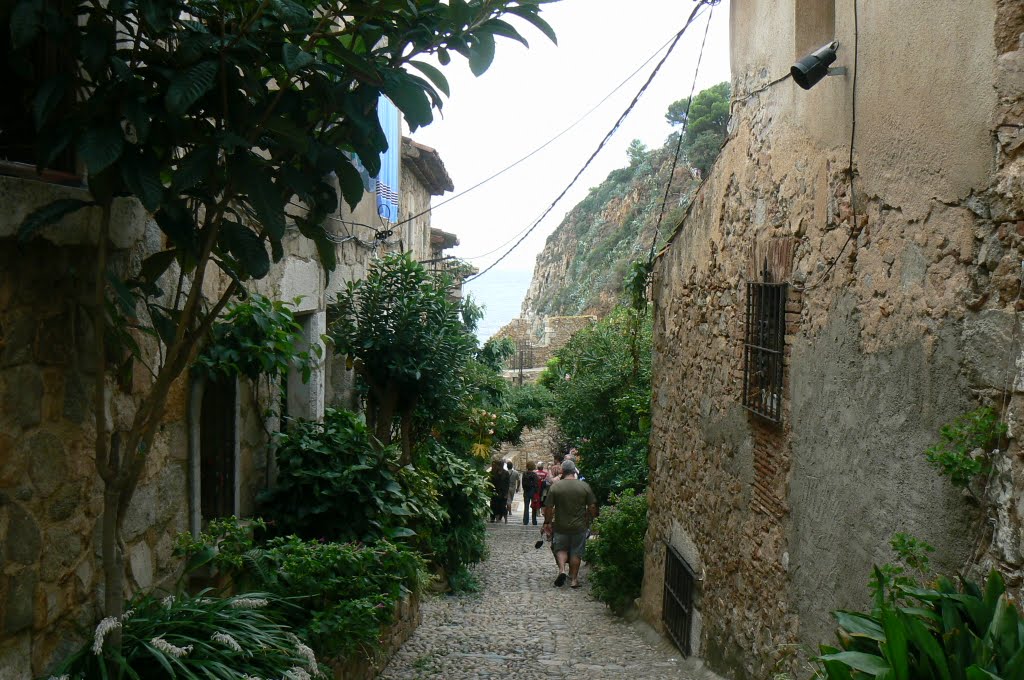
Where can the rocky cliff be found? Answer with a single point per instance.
(583, 264)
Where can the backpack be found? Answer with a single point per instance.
(530, 484)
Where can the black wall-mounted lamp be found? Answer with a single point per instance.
(812, 68)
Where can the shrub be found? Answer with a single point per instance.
(460, 538)
(616, 556)
(601, 383)
(334, 485)
(950, 632)
(340, 594)
(347, 591)
(197, 636)
(530, 404)
(911, 567)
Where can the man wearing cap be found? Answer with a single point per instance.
(568, 510)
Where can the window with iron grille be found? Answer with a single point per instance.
(763, 347)
(677, 604)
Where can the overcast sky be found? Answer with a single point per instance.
(530, 95)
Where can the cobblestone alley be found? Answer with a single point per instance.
(521, 626)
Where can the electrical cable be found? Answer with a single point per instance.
(538, 149)
(853, 134)
(603, 142)
(679, 142)
(748, 95)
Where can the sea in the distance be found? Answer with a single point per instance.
(501, 293)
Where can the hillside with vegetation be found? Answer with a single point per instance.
(585, 260)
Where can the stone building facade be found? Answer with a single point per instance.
(538, 338)
(901, 312)
(50, 492)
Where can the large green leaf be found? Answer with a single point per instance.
(926, 642)
(506, 30)
(247, 248)
(531, 15)
(263, 196)
(135, 111)
(48, 98)
(895, 645)
(154, 266)
(859, 625)
(141, 175)
(157, 13)
(481, 53)
(101, 146)
(1002, 632)
(325, 248)
(188, 86)
(48, 214)
(295, 58)
(434, 74)
(195, 167)
(408, 96)
(176, 221)
(350, 181)
(860, 661)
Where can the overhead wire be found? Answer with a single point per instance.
(604, 141)
(679, 142)
(540, 148)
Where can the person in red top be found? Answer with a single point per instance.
(533, 500)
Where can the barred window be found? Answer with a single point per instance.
(763, 347)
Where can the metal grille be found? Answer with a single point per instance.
(523, 358)
(763, 347)
(677, 606)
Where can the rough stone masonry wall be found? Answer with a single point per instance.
(917, 323)
(546, 334)
(537, 444)
(50, 493)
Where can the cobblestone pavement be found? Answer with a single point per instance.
(520, 626)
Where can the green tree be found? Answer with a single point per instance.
(215, 116)
(408, 343)
(705, 125)
(601, 382)
(637, 152)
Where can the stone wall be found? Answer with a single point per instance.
(407, 617)
(915, 323)
(544, 335)
(50, 492)
(537, 444)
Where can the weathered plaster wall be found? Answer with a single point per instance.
(860, 422)
(913, 325)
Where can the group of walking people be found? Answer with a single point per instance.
(567, 502)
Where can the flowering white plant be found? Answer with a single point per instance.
(102, 628)
(170, 649)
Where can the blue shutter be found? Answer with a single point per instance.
(387, 180)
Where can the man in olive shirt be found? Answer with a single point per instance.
(573, 505)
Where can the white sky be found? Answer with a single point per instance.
(530, 95)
